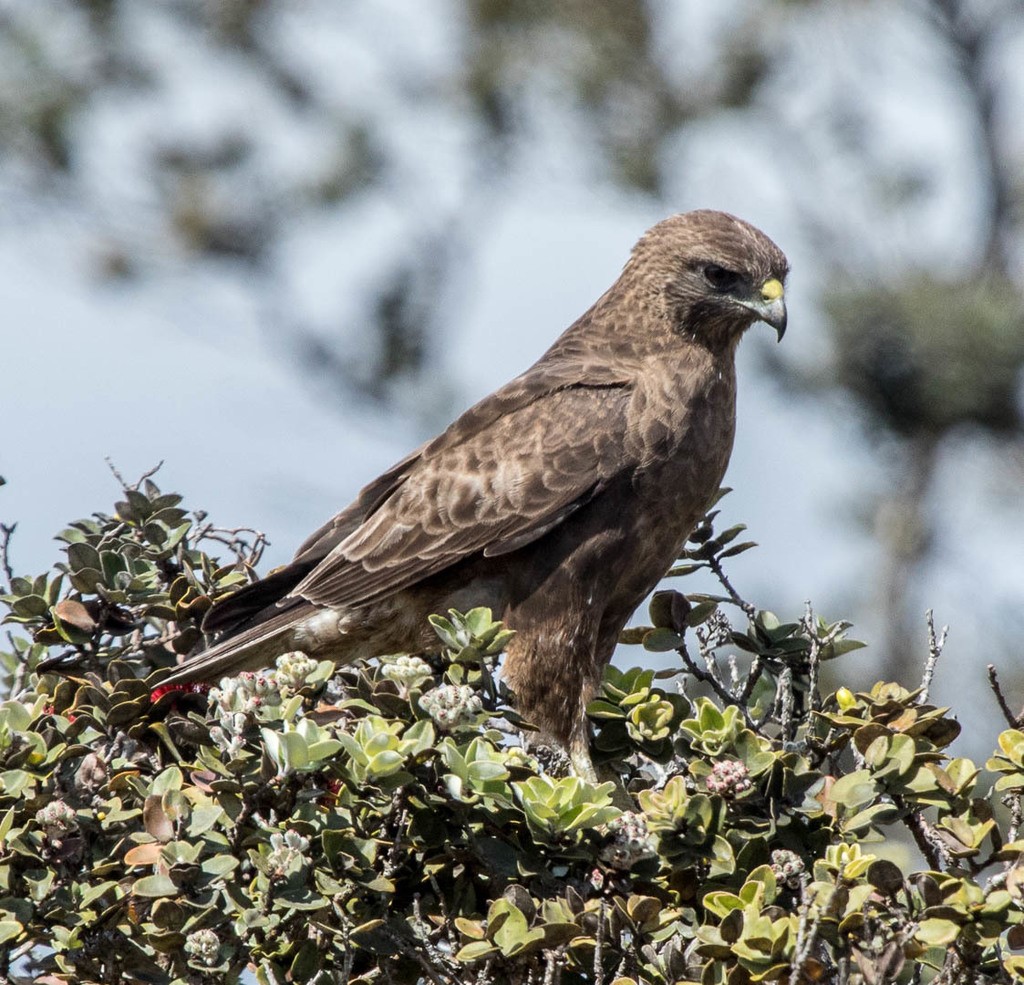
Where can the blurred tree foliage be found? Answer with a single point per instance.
(232, 179)
(935, 351)
(386, 823)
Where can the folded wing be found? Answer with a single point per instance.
(491, 492)
(507, 471)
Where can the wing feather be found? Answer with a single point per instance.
(505, 484)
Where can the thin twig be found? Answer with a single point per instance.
(1013, 802)
(716, 566)
(246, 543)
(438, 961)
(734, 672)
(715, 684)
(706, 642)
(844, 970)
(117, 475)
(817, 646)
(20, 672)
(553, 961)
(6, 530)
(125, 485)
(421, 958)
(813, 657)
(993, 681)
(786, 701)
(347, 949)
(928, 844)
(935, 645)
(449, 926)
(807, 932)
(753, 676)
(392, 862)
(915, 978)
(951, 968)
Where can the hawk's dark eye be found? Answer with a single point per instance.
(720, 278)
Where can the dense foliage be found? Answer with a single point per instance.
(388, 824)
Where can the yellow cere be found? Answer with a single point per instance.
(772, 289)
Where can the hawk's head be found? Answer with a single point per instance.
(713, 274)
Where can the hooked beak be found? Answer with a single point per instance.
(770, 305)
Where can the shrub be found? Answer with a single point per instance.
(385, 822)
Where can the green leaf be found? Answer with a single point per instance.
(513, 936)
(31, 607)
(158, 885)
(81, 555)
(935, 932)
(662, 640)
(475, 951)
(722, 903)
(170, 779)
(699, 614)
(875, 815)
(14, 782)
(738, 549)
(220, 865)
(93, 893)
(10, 930)
(854, 789)
(885, 876)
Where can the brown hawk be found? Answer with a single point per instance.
(558, 501)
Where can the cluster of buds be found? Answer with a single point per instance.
(729, 778)
(452, 706)
(203, 946)
(286, 848)
(518, 756)
(235, 703)
(229, 734)
(788, 867)
(293, 670)
(245, 693)
(649, 721)
(629, 841)
(405, 670)
(58, 820)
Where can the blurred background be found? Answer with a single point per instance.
(277, 244)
